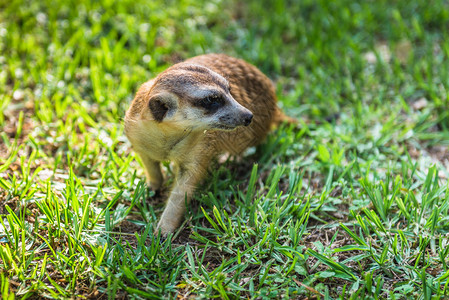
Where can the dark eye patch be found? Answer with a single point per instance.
(211, 102)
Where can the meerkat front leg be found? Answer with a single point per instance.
(153, 172)
(189, 175)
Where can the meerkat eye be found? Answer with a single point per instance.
(212, 102)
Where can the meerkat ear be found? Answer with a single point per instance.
(161, 106)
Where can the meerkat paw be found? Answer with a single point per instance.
(166, 226)
(155, 185)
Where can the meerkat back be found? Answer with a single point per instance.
(252, 89)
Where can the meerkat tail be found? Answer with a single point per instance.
(280, 118)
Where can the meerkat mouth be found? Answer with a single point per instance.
(225, 127)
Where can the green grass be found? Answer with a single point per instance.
(353, 203)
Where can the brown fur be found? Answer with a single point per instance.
(163, 122)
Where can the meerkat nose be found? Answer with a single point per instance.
(247, 118)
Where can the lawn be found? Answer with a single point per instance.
(353, 202)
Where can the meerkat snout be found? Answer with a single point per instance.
(247, 119)
(234, 120)
(232, 116)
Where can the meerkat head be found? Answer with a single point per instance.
(193, 96)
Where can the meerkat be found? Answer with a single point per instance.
(193, 111)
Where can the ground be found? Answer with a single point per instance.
(352, 202)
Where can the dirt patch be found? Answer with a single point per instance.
(439, 153)
(21, 103)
